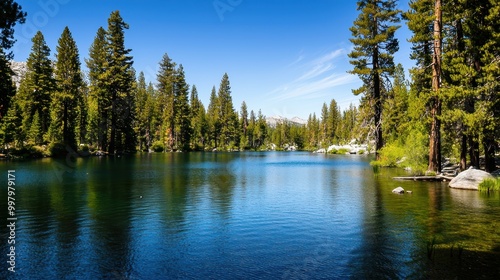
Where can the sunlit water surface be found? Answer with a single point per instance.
(242, 216)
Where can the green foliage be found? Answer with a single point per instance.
(158, 147)
(119, 78)
(488, 185)
(99, 102)
(12, 14)
(57, 149)
(69, 94)
(199, 122)
(340, 151)
(409, 152)
(372, 56)
(6, 85)
(36, 90)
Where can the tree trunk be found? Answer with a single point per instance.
(489, 151)
(474, 151)
(65, 124)
(112, 139)
(463, 153)
(435, 137)
(376, 97)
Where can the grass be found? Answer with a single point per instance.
(490, 185)
(339, 151)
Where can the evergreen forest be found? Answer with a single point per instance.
(449, 107)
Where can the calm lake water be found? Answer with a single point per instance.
(242, 216)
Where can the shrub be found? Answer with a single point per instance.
(340, 151)
(39, 151)
(490, 185)
(391, 155)
(57, 150)
(158, 147)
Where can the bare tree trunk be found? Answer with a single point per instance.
(435, 137)
(377, 98)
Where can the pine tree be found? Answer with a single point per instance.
(99, 98)
(396, 120)
(11, 15)
(182, 111)
(425, 20)
(435, 133)
(260, 130)
(166, 100)
(37, 88)
(11, 124)
(334, 117)
(227, 114)
(324, 126)
(374, 46)
(143, 122)
(35, 132)
(119, 80)
(7, 88)
(152, 134)
(213, 118)
(252, 122)
(198, 121)
(244, 125)
(69, 94)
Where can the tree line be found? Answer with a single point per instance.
(111, 110)
(448, 108)
(451, 104)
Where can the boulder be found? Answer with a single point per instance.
(469, 179)
(398, 190)
(321, 151)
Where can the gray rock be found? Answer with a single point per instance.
(398, 190)
(469, 179)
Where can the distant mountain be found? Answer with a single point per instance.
(273, 121)
(298, 120)
(19, 69)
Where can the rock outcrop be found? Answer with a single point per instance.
(19, 69)
(469, 179)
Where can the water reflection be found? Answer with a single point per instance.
(245, 215)
(109, 198)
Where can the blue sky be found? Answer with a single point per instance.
(284, 57)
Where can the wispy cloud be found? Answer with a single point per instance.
(318, 76)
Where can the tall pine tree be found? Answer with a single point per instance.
(213, 118)
(182, 111)
(374, 46)
(166, 101)
(99, 101)
(119, 80)
(66, 99)
(227, 115)
(11, 15)
(36, 90)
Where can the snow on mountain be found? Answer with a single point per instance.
(19, 69)
(274, 120)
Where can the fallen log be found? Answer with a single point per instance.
(424, 178)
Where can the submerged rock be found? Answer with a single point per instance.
(398, 190)
(469, 179)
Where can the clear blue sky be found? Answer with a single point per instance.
(284, 57)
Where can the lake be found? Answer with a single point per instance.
(255, 215)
